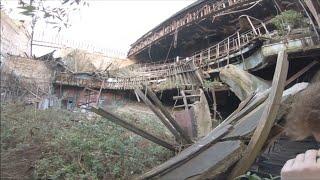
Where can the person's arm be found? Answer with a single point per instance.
(303, 167)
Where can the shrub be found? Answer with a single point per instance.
(287, 18)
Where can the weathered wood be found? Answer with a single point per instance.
(313, 11)
(188, 153)
(211, 162)
(138, 99)
(302, 71)
(182, 106)
(267, 119)
(185, 102)
(214, 99)
(230, 153)
(98, 98)
(117, 120)
(167, 114)
(242, 104)
(187, 96)
(201, 113)
(247, 124)
(158, 113)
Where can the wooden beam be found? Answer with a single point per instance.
(98, 98)
(185, 102)
(214, 99)
(158, 114)
(117, 120)
(302, 71)
(242, 104)
(311, 21)
(138, 99)
(187, 96)
(183, 106)
(267, 119)
(313, 11)
(189, 153)
(167, 114)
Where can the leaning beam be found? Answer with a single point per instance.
(167, 114)
(117, 120)
(301, 72)
(158, 114)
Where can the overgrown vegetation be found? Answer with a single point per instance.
(252, 176)
(287, 20)
(57, 144)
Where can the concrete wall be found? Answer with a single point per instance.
(15, 39)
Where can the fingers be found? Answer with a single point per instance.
(311, 156)
(287, 165)
(318, 157)
(298, 160)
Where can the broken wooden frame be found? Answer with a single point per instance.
(214, 159)
(164, 121)
(168, 121)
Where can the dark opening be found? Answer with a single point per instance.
(227, 102)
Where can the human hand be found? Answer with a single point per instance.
(304, 167)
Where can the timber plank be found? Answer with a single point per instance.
(268, 116)
(188, 153)
(159, 114)
(117, 120)
(167, 114)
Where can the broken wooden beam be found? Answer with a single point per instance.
(167, 114)
(187, 96)
(158, 114)
(117, 120)
(313, 11)
(267, 118)
(185, 102)
(188, 154)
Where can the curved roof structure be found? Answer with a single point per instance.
(203, 23)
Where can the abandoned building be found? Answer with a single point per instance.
(214, 74)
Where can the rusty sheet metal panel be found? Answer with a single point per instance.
(185, 120)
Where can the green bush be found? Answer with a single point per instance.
(287, 18)
(252, 176)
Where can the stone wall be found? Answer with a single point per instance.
(83, 61)
(30, 73)
(15, 39)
